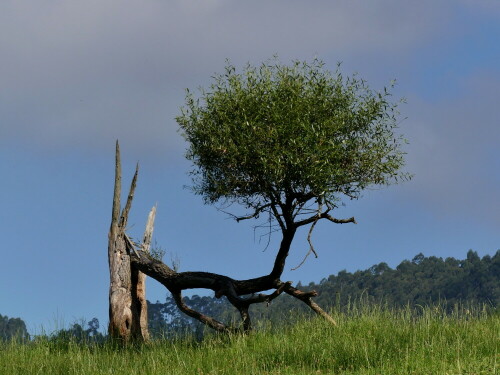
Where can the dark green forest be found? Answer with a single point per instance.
(423, 281)
(12, 328)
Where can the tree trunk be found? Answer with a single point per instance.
(127, 291)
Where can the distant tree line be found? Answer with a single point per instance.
(12, 328)
(78, 333)
(15, 328)
(421, 281)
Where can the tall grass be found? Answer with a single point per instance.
(367, 340)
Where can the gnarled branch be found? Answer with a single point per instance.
(222, 285)
(311, 247)
(130, 198)
(211, 322)
(256, 213)
(306, 298)
(324, 215)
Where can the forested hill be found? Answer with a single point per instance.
(422, 281)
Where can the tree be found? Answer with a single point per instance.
(290, 142)
(77, 333)
(13, 328)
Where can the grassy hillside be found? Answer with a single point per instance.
(368, 340)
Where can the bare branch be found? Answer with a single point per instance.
(117, 188)
(128, 205)
(306, 298)
(324, 215)
(329, 205)
(278, 217)
(130, 245)
(222, 285)
(242, 304)
(320, 202)
(257, 212)
(311, 247)
(269, 232)
(339, 221)
(209, 321)
(148, 232)
(236, 300)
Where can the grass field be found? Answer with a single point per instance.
(372, 340)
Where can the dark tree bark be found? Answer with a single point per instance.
(130, 262)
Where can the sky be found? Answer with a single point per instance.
(77, 76)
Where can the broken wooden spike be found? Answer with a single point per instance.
(148, 232)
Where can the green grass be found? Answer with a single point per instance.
(369, 340)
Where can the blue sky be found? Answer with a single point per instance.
(76, 76)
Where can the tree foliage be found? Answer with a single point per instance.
(275, 133)
(12, 328)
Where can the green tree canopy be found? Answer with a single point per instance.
(290, 141)
(276, 136)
